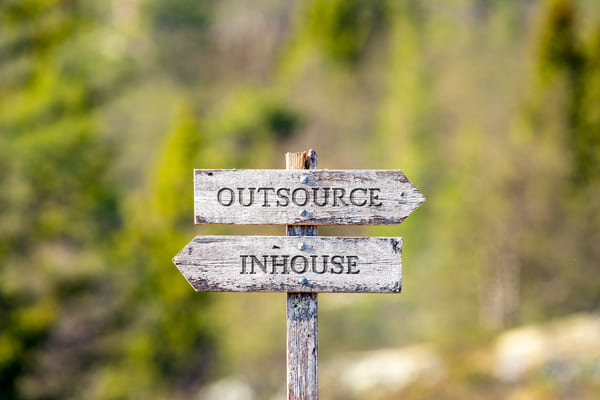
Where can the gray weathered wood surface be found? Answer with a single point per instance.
(302, 346)
(302, 308)
(215, 263)
(358, 197)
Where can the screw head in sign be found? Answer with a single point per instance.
(303, 213)
(304, 179)
(301, 246)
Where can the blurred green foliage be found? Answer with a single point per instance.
(58, 203)
(343, 28)
(492, 109)
(179, 29)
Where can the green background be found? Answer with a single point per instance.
(490, 107)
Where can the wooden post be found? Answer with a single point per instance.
(302, 349)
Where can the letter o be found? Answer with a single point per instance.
(220, 200)
(295, 200)
(293, 264)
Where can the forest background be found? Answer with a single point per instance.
(490, 107)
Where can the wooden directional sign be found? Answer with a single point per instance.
(303, 197)
(292, 264)
(300, 263)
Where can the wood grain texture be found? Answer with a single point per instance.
(302, 346)
(327, 197)
(302, 309)
(327, 264)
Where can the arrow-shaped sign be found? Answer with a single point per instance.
(303, 197)
(292, 264)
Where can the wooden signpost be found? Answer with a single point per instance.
(300, 263)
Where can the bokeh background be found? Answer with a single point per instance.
(491, 108)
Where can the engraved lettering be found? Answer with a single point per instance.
(352, 263)
(299, 264)
(325, 196)
(293, 264)
(266, 194)
(374, 196)
(282, 196)
(243, 264)
(261, 265)
(295, 197)
(220, 197)
(314, 264)
(337, 261)
(241, 199)
(338, 194)
(283, 264)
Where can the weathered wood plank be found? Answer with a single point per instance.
(302, 346)
(303, 197)
(292, 264)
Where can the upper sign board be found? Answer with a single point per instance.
(303, 197)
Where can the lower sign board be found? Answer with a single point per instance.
(292, 264)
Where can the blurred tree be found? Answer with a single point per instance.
(164, 339)
(180, 29)
(91, 307)
(249, 124)
(343, 29)
(502, 203)
(586, 143)
(58, 204)
(561, 223)
(170, 346)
